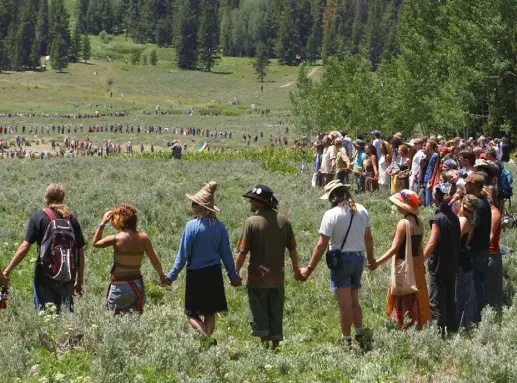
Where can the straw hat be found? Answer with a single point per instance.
(205, 197)
(331, 186)
(407, 200)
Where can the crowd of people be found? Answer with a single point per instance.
(420, 164)
(464, 271)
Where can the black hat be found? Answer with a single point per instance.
(264, 194)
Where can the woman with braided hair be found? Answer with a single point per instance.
(345, 228)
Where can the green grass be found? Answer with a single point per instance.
(160, 346)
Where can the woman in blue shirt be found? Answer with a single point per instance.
(203, 245)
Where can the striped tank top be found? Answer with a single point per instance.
(126, 265)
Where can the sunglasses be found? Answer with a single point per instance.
(194, 204)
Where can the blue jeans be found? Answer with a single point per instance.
(428, 196)
(349, 272)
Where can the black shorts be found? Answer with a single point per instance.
(204, 293)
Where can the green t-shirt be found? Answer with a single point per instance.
(266, 235)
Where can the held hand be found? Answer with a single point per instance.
(4, 279)
(164, 281)
(298, 276)
(373, 265)
(78, 288)
(237, 282)
(107, 217)
(305, 273)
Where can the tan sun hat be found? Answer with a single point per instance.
(331, 186)
(205, 197)
(407, 200)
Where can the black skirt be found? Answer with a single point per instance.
(204, 293)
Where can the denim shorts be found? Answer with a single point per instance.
(349, 273)
(123, 298)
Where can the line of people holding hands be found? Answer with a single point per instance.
(458, 254)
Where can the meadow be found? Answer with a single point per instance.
(160, 346)
(91, 345)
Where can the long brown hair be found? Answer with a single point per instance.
(54, 197)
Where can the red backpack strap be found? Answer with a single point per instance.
(50, 214)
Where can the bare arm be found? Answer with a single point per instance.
(18, 257)
(97, 240)
(317, 252)
(293, 253)
(400, 234)
(375, 167)
(368, 241)
(149, 250)
(239, 261)
(496, 222)
(433, 241)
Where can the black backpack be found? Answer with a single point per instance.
(58, 251)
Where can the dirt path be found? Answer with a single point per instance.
(314, 70)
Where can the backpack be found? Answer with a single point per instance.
(58, 251)
(505, 184)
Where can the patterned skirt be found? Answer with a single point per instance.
(411, 309)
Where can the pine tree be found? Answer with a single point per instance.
(135, 57)
(58, 24)
(107, 17)
(186, 33)
(25, 36)
(164, 32)
(59, 53)
(2, 54)
(208, 35)
(144, 29)
(313, 49)
(153, 57)
(7, 14)
(82, 11)
(42, 28)
(75, 44)
(261, 60)
(94, 16)
(86, 48)
(287, 44)
(131, 18)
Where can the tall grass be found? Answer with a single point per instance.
(91, 345)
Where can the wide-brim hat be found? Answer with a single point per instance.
(359, 143)
(205, 197)
(407, 200)
(264, 194)
(331, 186)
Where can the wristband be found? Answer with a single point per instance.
(101, 226)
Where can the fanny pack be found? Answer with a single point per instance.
(333, 257)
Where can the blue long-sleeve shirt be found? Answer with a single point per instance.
(204, 243)
(430, 168)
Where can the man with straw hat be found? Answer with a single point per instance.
(345, 228)
(266, 235)
(204, 244)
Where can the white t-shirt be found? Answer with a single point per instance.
(335, 224)
(377, 143)
(415, 166)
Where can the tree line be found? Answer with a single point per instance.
(201, 30)
(455, 74)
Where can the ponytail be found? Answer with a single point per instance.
(61, 209)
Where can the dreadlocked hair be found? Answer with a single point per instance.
(342, 197)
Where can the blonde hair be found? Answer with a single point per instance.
(488, 192)
(54, 197)
(124, 217)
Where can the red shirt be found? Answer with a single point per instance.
(494, 244)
